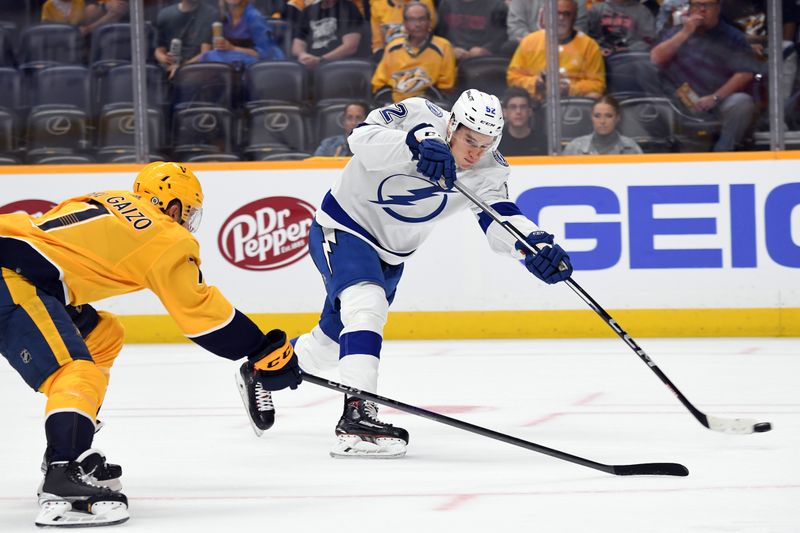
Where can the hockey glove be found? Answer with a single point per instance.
(545, 264)
(275, 366)
(435, 161)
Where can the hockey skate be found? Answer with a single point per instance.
(257, 400)
(361, 434)
(70, 498)
(95, 466)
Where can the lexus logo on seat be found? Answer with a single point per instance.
(127, 124)
(59, 125)
(276, 121)
(204, 123)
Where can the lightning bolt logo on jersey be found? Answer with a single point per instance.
(411, 199)
(381, 198)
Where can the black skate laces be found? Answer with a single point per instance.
(263, 398)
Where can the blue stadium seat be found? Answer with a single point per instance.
(115, 127)
(50, 43)
(270, 82)
(117, 87)
(112, 42)
(56, 127)
(7, 40)
(576, 117)
(203, 129)
(650, 121)
(276, 127)
(345, 79)
(203, 84)
(487, 74)
(64, 85)
(330, 120)
(632, 74)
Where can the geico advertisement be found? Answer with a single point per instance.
(641, 235)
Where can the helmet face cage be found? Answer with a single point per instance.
(162, 183)
(478, 111)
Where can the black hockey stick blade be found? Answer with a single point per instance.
(735, 426)
(646, 469)
(652, 469)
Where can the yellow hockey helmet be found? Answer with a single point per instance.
(161, 183)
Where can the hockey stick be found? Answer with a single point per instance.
(723, 425)
(653, 469)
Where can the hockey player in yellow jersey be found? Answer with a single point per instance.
(91, 247)
(417, 61)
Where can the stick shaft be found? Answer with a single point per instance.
(642, 469)
(516, 233)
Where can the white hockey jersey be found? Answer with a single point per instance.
(381, 198)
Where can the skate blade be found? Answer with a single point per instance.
(354, 447)
(243, 393)
(59, 513)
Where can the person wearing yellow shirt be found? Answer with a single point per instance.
(581, 64)
(386, 21)
(63, 11)
(92, 247)
(417, 62)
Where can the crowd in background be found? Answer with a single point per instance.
(683, 75)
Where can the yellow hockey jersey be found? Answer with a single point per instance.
(110, 243)
(411, 71)
(580, 61)
(386, 20)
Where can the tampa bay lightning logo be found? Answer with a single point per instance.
(499, 158)
(434, 108)
(410, 198)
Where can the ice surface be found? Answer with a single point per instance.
(191, 462)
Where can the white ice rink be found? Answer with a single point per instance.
(175, 422)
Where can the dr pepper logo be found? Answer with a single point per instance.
(31, 206)
(267, 234)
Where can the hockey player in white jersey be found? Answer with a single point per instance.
(391, 194)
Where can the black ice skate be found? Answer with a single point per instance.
(257, 400)
(94, 465)
(70, 497)
(361, 434)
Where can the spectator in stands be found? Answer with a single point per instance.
(519, 138)
(605, 139)
(417, 61)
(188, 21)
(711, 65)
(621, 26)
(387, 22)
(245, 36)
(101, 12)
(474, 28)
(582, 71)
(751, 17)
(64, 11)
(336, 145)
(671, 13)
(527, 16)
(328, 30)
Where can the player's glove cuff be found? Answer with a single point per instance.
(419, 133)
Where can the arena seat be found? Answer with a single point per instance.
(50, 43)
(276, 127)
(650, 121)
(270, 82)
(345, 79)
(202, 129)
(203, 84)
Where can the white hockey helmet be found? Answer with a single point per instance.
(479, 112)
